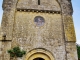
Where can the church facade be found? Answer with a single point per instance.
(43, 28)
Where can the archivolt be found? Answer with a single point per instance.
(42, 53)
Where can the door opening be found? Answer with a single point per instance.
(38, 59)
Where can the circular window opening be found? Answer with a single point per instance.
(38, 59)
(39, 20)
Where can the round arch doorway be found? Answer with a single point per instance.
(39, 54)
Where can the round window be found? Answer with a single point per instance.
(39, 20)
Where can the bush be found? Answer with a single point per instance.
(16, 52)
(78, 51)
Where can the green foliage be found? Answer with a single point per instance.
(16, 52)
(78, 51)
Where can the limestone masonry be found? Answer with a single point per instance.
(43, 28)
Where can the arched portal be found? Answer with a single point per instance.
(39, 54)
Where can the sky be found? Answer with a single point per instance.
(76, 17)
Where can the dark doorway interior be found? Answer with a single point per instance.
(38, 59)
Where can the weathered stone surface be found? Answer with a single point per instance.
(69, 29)
(7, 4)
(4, 47)
(0, 33)
(0, 50)
(44, 5)
(8, 20)
(27, 35)
(66, 7)
(71, 51)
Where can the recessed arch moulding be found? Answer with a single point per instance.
(39, 53)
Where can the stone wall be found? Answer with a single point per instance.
(44, 5)
(49, 36)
